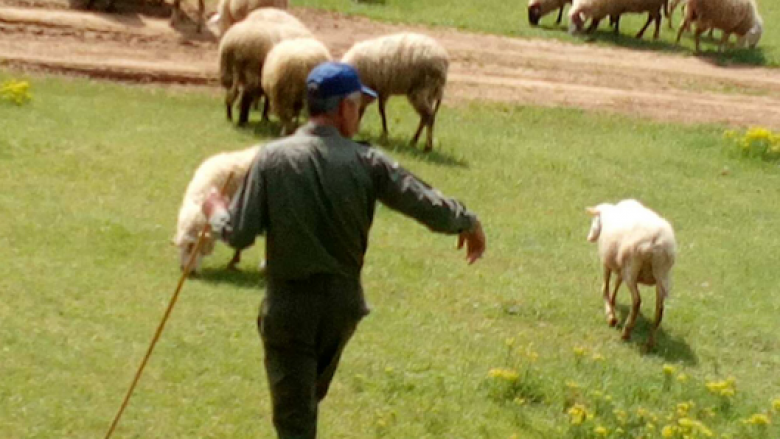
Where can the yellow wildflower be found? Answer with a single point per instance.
(15, 91)
(532, 356)
(669, 370)
(758, 419)
(620, 415)
(509, 341)
(579, 352)
(683, 378)
(669, 431)
(504, 374)
(572, 385)
(776, 405)
(601, 431)
(758, 133)
(519, 401)
(578, 414)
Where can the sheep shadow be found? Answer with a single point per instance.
(241, 278)
(629, 41)
(129, 12)
(667, 346)
(404, 147)
(372, 2)
(735, 57)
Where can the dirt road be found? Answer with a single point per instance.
(47, 35)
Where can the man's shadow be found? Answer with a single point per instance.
(667, 346)
(247, 277)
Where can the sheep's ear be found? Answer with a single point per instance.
(214, 18)
(592, 211)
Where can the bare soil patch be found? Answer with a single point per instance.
(139, 46)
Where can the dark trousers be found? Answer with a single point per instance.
(305, 325)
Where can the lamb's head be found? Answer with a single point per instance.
(187, 246)
(191, 222)
(595, 224)
(576, 20)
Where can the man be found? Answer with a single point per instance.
(313, 195)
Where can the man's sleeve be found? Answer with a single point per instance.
(401, 190)
(247, 209)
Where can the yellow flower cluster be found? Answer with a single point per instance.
(757, 419)
(579, 414)
(757, 141)
(776, 405)
(15, 91)
(579, 352)
(691, 427)
(669, 370)
(601, 431)
(504, 374)
(726, 388)
(684, 408)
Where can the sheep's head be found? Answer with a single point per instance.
(754, 34)
(187, 247)
(534, 12)
(595, 224)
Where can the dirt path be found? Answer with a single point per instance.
(47, 35)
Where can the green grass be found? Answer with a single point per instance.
(92, 176)
(511, 18)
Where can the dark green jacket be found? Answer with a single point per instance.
(313, 195)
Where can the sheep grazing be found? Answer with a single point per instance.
(596, 10)
(284, 77)
(211, 175)
(404, 64)
(242, 53)
(230, 12)
(739, 17)
(175, 12)
(639, 246)
(539, 8)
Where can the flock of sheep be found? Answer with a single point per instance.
(266, 52)
(739, 17)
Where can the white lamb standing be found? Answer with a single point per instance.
(230, 12)
(210, 176)
(639, 246)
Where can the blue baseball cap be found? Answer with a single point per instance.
(330, 82)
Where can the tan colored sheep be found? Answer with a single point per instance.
(230, 12)
(597, 10)
(639, 246)
(404, 64)
(211, 175)
(242, 53)
(739, 17)
(539, 8)
(175, 12)
(284, 77)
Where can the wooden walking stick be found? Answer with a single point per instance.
(164, 320)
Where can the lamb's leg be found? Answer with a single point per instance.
(244, 106)
(683, 25)
(560, 16)
(381, 104)
(431, 122)
(232, 265)
(230, 99)
(594, 24)
(609, 310)
(266, 109)
(658, 20)
(661, 291)
(630, 275)
(697, 38)
(421, 104)
(613, 299)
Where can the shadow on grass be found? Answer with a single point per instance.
(403, 147)
(672, 349)
(243, 278)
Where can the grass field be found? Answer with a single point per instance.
(511, 18)
(92, 176)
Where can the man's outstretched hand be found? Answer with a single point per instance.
(475, 243)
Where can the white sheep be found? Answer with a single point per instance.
(404, 64)
(242, 53)
(284, 77)
(539, 8)
(230, 12)
(211, 175)
(639, 246)
(596, 10)
(739, 17)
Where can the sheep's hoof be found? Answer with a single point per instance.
(626, 336)
(613, 321)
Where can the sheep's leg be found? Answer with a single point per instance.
(244, 106)
(723, 40)
(661, 291)
(560, 16)
(658, 20)
(230, 99)
(422, 105)
(697, 37)
(650, 18)
(683, 26)
(431, 122)
(381, 104)
(613, 298)
(594, 24)
(232, 265)
(201, 11)
(175, 12)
